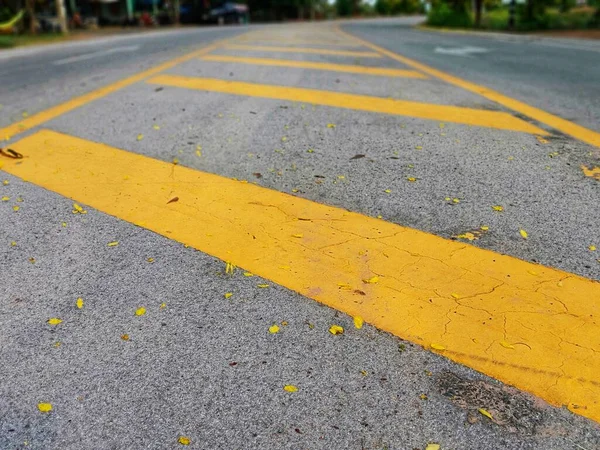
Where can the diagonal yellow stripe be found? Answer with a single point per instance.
(469, 116)
(531, 326)
(381, 71)
(318, 51)
(577, 131)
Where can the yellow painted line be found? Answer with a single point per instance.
(51, 113)
(533, 327)
(577, 131)
(593, 172)
(469, 116)
(318, 51)
(299, 41)
(381, 71)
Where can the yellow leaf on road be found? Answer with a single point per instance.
(262, 286)
(79, 303)
(54, 321)
(541, 140)
(498, 208)
(140, 311)
(140, 137)
(248, 274)
(228, 294)
(273, 329)
(45, 407)
(331, 125)
(412, 179)
(358, 322)
(299, 235)
(125, 337)
(432, 447)
(290, 388)
(113, 243)
(485, 413)
(592, 248)
(156, 127)
(507, 345)
(523, 234)
(438, 347)
(15, 208)
(5, 198)
(336, 329)
(387, 191)
(184, 440)
(371, 280)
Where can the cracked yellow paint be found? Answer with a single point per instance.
(550, 317)
(457, 114)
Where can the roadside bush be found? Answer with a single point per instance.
(441, 15)
(496, 19)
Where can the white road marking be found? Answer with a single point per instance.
(86, 56)
(461, 51)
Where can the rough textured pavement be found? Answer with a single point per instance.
(205, 367)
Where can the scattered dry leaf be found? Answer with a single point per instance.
(140, 311)
(273, 329)
(113, 243)
(358, 322)
(485, 413)
(290, 388)
(336, 329)
(125, 337)
(523, 233)
(498, 208)
(184, 440)
(54, 321)
(140, 137)
(228, 294)
(262, 286)
(438, 347)
(45, 407)
(79, 303)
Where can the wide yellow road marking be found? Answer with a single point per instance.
(44, 116)
(531, 326)
(382, 71)
(318, 51)
(299, 42)
(469, 116)
(577, 131)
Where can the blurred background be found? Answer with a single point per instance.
(26, 21)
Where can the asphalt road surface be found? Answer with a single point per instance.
(354, 235)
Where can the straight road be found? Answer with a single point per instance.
(300, 236)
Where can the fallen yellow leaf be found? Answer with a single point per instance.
(523, 234)
(331, 125)
(262, 286)
(387, 191)
(15, 208)
(163, 305)
(5, 198)
(228, 294)
(455, 295)
(229, 267)
(358, 322)
(498, 208)
(432, 447)
(184, 440)
(298, 235)
(438, 347)
(150, 260)
(156, 127)
(140, 311)
(54, 321)
(140, 137)
(113, 244)
(592, 248)
(506, 345)
(45, 407)
(412, 179)
(371, 280)
(485, 413)
(274, 329)
(336, 329)
(541, 140)
(248, 274)
(125, 337)
(79, 303)
(423, 397)
(290, 388)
